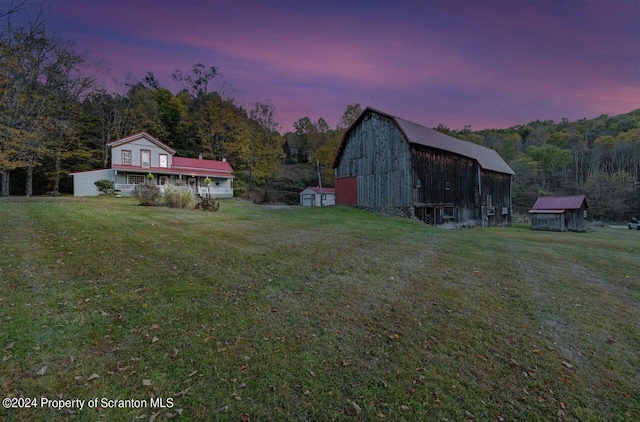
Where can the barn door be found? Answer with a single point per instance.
(346, 191)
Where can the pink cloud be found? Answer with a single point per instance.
(486, 59)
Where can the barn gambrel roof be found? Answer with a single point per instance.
(417, 134)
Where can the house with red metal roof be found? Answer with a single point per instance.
(141, 158)
(560, 213)
(315, 196)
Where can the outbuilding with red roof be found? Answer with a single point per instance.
(315, 196)
(560, 213)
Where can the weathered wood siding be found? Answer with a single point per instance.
(548, 221)
(575, 219)
(496, 198)
(445, 187)
(377, 154)
(570, 220)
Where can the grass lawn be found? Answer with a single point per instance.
(301, 314)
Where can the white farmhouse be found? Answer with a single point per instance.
(135, 157)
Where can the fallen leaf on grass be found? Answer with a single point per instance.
(567, 364)
(42, 370)
(469, 415)
(146, 383)
(610, 340)
(356, 407)
(6, 358)
(244, 417)
(182, 393)
(93, 377)
(170, 415)
(514, 363)
(154, 339)
(10, 345)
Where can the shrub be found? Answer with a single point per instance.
(177, 198)
(208, 204)
(148, 195)
(104, 185)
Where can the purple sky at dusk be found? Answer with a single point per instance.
(488, 64)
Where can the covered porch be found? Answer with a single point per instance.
(219, 187)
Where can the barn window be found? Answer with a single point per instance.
(489, 200)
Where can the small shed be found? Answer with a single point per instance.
(317, 197)
(560, 213)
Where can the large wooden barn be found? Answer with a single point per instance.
(387, 162)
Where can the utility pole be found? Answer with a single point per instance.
(319, 179)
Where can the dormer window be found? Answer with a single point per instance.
(126, 157)
(145, 158)
(164, 161)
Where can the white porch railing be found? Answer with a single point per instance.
(202, 190)
(217, 191)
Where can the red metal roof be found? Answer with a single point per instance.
(197, 163)
(559, 203)
(187, 171)
(324, 190)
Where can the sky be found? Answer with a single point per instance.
(487, 64)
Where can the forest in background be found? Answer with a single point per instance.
(55, 118)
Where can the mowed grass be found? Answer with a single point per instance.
(258, 313)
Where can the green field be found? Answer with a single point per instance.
(300, 314)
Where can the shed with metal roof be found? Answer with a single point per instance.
(560, 213)
(385, 161)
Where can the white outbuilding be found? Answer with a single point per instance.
(317, 197)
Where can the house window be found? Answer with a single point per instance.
(164, 161)
(126, 157)
(145, 158)
(136, 179)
